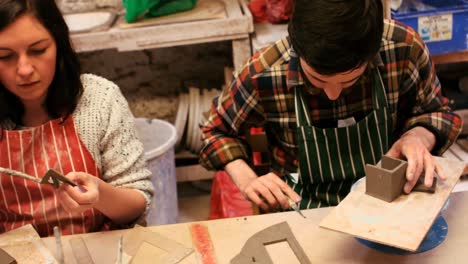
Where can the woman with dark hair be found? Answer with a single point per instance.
(54, 117)
(343, 89)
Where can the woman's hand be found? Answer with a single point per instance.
(415, 145)
(81, 197)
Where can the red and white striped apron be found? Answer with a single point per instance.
(33, 151)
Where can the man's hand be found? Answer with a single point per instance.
(81, 197)
(269, 192)
(415, 145)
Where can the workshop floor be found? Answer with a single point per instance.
(194, 201)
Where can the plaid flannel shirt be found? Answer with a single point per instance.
(262, 95)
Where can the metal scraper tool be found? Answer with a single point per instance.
(293, 205)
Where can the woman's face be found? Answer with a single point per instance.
(28, 55)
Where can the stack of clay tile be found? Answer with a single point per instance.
(191, 107)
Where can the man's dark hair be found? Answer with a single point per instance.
(66, 87)
(335, 36)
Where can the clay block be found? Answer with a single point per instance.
(386, 181)
(420, 187)
(5, 258)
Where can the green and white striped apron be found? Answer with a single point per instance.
(332, 159)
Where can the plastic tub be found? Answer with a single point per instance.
(444, 28)
(158, 139)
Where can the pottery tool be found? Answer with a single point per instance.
(203, 244)
(402, 223)
(58, 244)
(51, 177)
(119, 251)
(293, 205)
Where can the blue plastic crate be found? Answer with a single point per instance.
(443, 27)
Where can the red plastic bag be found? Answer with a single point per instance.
(279, 11)
(226, 199)
(273, 11)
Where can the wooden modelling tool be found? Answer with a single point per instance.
(402, 223)
(51, 177)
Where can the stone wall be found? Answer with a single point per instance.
(152, 79)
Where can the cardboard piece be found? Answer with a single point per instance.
(385, 180)
(143, 244)
(254, 250)
(403, 223)
(204, 10)
(25, 245)
(420, 187)
(5, 258)
(80, 251)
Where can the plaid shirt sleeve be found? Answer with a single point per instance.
(422, 91)
(232, 113)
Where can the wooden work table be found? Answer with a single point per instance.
(320, 245)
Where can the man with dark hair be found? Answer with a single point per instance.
(343, 89)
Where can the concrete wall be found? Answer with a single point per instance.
(152, 79)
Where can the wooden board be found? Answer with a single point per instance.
(321, 246)
(204, 10)
(25, 245)
(402, 223)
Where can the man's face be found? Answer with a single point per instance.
(332, 85)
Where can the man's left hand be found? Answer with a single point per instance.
(415, 145)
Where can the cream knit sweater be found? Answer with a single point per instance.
(106, 127)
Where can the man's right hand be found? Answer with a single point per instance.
(268, 192)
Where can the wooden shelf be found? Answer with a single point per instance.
(236, 27)
(193, 173)
(453, 57)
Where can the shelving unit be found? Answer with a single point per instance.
(235, 27)
(453, 57)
